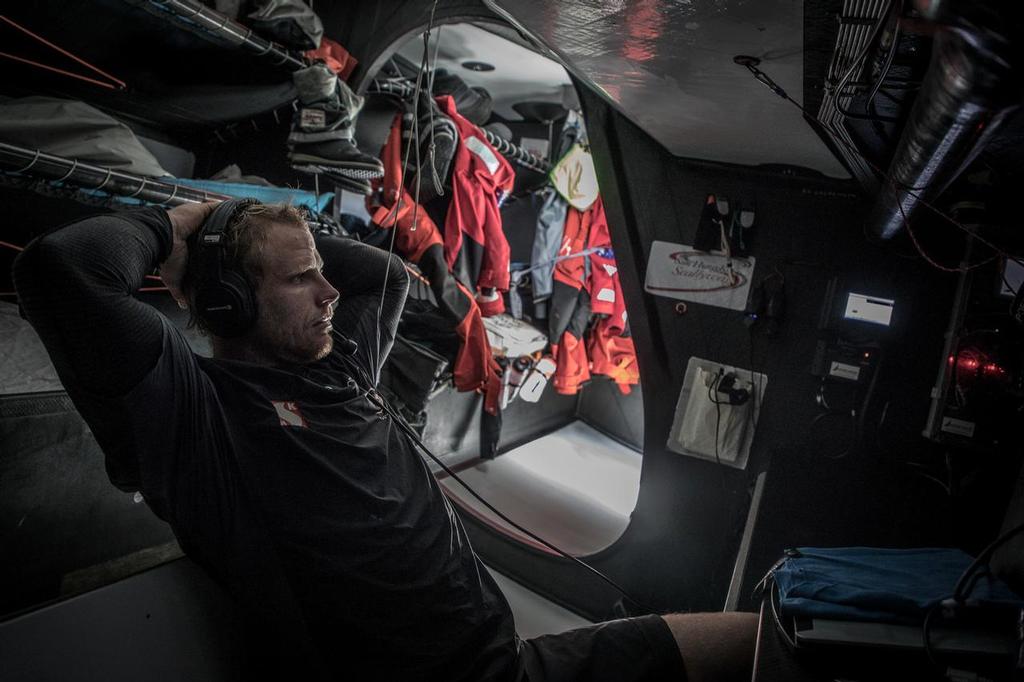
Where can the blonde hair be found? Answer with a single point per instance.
(246, 237)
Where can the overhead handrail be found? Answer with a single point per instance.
(91, 180)
(224, 27)
(404, 89)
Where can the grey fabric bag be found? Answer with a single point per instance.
(289, 22)
(75, 130)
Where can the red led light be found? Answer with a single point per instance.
(992, 369)
(967, 362)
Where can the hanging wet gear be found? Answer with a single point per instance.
(436, 140)
(490, 301)
(612, 354)
(335, 56)
(585, 285)
(481, 178)
(418, 239)
(551, 217)
(711, 226)
(473, 103)
(570, 315)
(740, 230)
(323, 128)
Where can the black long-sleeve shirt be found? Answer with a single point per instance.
(286, 483)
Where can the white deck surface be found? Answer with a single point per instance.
(575, 488)
(534, 614)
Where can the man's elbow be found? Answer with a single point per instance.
(28, 271)
(47, 270)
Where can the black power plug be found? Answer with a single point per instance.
(727, 385)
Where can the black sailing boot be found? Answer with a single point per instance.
(437, 143)
(323, 128)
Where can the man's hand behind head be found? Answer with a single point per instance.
(186, 219)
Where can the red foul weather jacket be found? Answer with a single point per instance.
(475, 367)
(480, 178)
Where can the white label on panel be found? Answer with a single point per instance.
(844, 371)
(713, 278)
(958, 427)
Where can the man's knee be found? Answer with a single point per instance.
(715, 646)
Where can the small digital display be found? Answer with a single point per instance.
(869, 309)
(1012, 279)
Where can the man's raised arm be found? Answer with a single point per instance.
(358, 272)
(76, 288)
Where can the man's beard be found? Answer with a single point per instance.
(283, 348)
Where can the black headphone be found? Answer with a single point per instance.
(225, 299)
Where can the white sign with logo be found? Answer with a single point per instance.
(709, 277)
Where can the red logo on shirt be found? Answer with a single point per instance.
(289, 414)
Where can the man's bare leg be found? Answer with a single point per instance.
(716, 647)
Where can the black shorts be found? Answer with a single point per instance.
(628, 650)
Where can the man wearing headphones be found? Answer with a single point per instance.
(278, 466)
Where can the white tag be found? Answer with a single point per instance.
(958, 427)
(484, 152)
(844, 371)
(313, 118)
(288, 413)
(607, 295)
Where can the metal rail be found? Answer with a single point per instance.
(192, 13)
(91, 179)
(404, 89)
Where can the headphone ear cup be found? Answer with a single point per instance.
(225, 299)
(228, 305)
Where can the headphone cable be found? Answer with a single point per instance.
(377, 399)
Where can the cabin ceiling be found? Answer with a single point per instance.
(665, 64)
(668, 66)
(519, 75)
